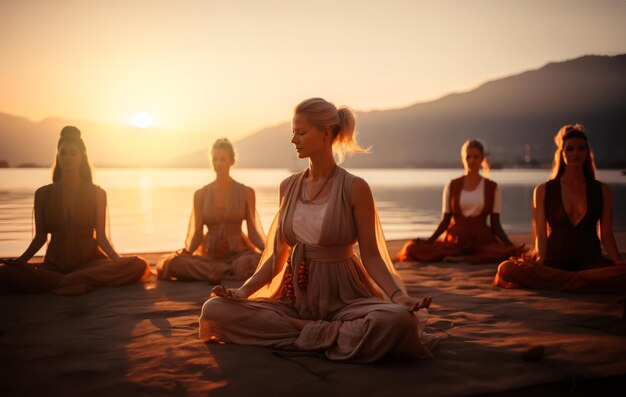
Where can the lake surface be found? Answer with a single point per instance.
(149, 208)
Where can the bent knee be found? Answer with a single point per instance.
(394, 317)
(507, 271)
(212, 309)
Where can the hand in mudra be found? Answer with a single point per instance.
(413, 304)
(228, 293)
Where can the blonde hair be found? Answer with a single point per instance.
(558, 165)
(223, 144)
(342, 121)
(476, 144)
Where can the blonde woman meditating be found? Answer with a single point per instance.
(223, 249)
(470, 222)
(310, 291)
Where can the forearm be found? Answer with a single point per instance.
(265, 273)
(108, 248)
(33, 247)
(443, 225)
(377, 269)
(610, 245)
(256, 239)
(541, 245)
(195, 242)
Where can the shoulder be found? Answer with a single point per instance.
(249, 192)
(44, 189)
(489, 182)
(289, 181)
(540, 189)
(453, 183)
(359, 190)
(43, 193)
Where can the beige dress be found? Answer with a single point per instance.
(351, 318)
(225, 250)
(74, 262)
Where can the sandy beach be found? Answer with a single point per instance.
(142, 340)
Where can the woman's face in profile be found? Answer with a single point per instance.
(69, 156)
(222, 161)
(575, 151)
(472, 159)
(307, 138)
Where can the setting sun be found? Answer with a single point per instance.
(142, 120)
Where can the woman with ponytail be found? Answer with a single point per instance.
(467, 203)
(567, 253)
(311, 291)
(79, 257)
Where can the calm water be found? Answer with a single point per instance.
(149, 208)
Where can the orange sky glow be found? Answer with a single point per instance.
(232, 67)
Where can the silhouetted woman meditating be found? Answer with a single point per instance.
(467, 203)
(566, 212)
(224, 249)
(79, 257)
(310, 291)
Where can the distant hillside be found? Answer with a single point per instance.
(25, 142)
(514, 116)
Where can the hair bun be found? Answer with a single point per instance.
(70, 132)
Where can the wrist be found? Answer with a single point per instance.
(395, 294)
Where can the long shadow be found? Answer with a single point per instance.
(57, 345)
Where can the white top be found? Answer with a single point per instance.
(307, 221)
(472, 201)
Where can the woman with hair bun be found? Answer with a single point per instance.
(79, 257)
(310, 291)
(467, 203)
(224, 249)
(566, 211)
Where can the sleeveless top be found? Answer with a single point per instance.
(472, 202)
(573, 247)
(224, 236)
(73, 238)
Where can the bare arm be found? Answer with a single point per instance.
(606, 226)
(540, 232)
(496, 228)
(364, 217)
(265, 273)
(253, 232)
(443, 226)
(101, 237)
(198, 231)
(446, 216)
(40, 236)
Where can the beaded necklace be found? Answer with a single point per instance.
(308, 201)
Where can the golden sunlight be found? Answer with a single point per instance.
(142, 120)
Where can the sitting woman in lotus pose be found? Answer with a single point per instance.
(310, 291)
(72, 209)
(467, 203)
(224, 249)
(566, 212)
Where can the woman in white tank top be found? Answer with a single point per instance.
(466, 235)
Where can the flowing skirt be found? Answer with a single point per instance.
(94, 274)
(347, 320)
(206, 268)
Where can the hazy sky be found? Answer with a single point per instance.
(231, 67)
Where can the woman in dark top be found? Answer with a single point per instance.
(566, 212)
